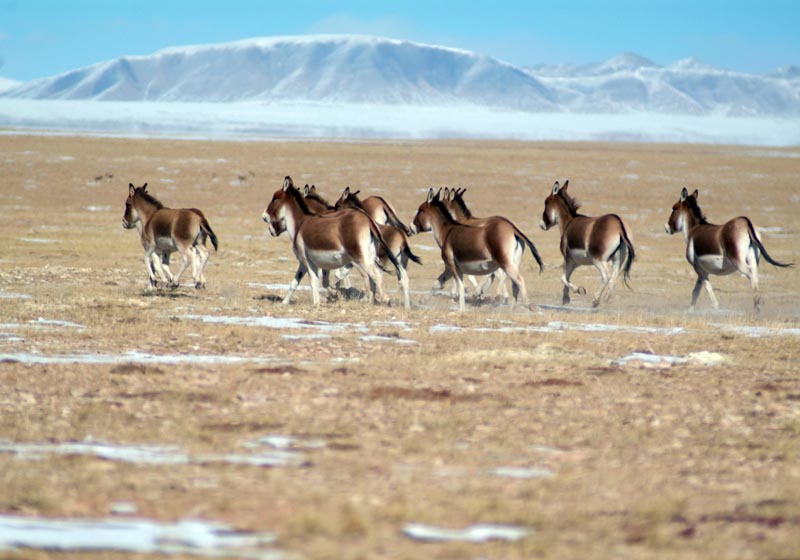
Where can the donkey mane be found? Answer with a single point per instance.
(149, 198)
(316, 196)
(694, 208)
(459, 200)
(442, 207)
(572, 204)
(294, 193)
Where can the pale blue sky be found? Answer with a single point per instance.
(44, 37)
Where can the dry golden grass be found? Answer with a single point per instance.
(683, 461)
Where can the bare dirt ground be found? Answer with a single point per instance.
(403, 416)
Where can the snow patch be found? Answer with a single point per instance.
(478, 533)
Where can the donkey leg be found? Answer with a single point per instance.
(569, 268)
(187, 259)
(616, 268)
(605, 278)
(402, 278)
(710, 290)
(301, 271)
(314, 277)
(459, 280)
(749, 268)
(518, 288)
(201, 254)
(440, 281)
(698, 285)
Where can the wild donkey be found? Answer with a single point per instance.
(585, 240)
(713, 249)
(328, 241)
(166, 230)
(475, 249)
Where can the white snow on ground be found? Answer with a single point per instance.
(253, 120)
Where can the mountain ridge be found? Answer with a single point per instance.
(367, 69)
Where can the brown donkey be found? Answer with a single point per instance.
(454, 201)
(473, 249)
(720, 250)
(377, 208)
(327, 242)
(598, 241)
(166, 230)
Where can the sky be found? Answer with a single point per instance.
(40, 38)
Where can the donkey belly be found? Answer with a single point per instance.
(166, 244)
(580, 256)
(328, 260)
(715, 264)
(478, 268)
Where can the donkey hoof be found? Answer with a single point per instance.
(199, 285)
(565, 300)
(581, 291)
(596, 302)
(757, 303)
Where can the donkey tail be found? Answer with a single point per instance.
(757, 242)
(521, 236)
(393, 219)
(206, 228)
(410, 255)
(376, 233)
(626, 272)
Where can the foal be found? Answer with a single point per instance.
(166, 230)
(712, 249)
(328, 241)
(475, 250)
(588, 240)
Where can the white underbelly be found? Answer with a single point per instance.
(580, 256)
(166, 244)
(478, 268)
(715, 264)
(328, 260)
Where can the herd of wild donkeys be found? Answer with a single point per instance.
(368, 235)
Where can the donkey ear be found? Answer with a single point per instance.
(144, 187)
(430, 195)
(684, 194)
(313, 189)
(305, 190)
(565, 185)
(131, 189)
(461, 193)
(438, 194)
(346, 192)
(355, 193)
(556, 188)
(447, 194)
(695, 193)
(287, 182)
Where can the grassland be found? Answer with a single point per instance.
(700, 459)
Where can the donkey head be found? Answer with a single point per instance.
(685, 208)
(275, 214)
(348, 199)
(422, 221)
(551, 205)
(131, 215)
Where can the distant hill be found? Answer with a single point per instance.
(362, 69)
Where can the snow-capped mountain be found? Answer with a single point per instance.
(362, 69)
(6, 83)
(353, 69)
